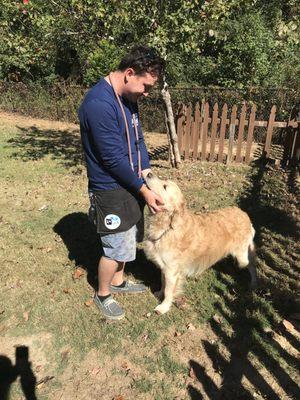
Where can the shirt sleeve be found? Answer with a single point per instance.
(108, 143)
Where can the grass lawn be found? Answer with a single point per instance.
(220, 341)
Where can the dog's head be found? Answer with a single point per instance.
(170, 193)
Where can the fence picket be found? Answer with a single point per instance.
(250, 134)
(196, 131)
(213, 132)
(204, 132)
(240, 138)
(269, 132)
(196, 140)
(187, 132)
(222, 132)
(231, 133)
(180, 121)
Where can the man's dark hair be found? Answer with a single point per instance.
(143, 59)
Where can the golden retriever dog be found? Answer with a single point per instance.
(182, 244)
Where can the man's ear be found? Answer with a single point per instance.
(129, 72)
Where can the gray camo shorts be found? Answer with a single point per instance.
(120, 246)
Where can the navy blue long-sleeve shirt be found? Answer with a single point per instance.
(103, 135)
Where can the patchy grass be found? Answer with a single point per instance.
(221, 342)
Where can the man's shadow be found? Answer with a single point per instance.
(80, 238)
(22, 368)
(84, 246)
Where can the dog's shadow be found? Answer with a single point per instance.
(83, 243)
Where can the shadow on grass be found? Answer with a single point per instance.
(35, 144)
(243, 315)
(83, 244)
(22, 369)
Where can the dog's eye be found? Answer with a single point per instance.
(165, 187)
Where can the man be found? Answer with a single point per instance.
(117, 158)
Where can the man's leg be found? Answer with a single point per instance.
(118, 278)
(107, 270)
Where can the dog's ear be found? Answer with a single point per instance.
(177, 217)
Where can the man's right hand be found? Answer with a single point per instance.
(153, 200)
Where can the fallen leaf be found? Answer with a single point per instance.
(192, 373)
(181, 302)
(43, 208)
(26, 316)
(288, 325)
(38, 368)
(176, 333)
(217, 318)
(48, 249)
(95, 371)
(44, 380)
(206, 206)
(67, 290)
(88, 303)
(125, 366)
(78, 273)
(267, 329)
(148, 315)
(119, 397)
(191, 327)
(64, 354)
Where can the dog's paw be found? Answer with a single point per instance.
(162, 308)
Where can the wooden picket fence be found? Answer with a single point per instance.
(230, 138)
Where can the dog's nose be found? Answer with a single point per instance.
(149, 175)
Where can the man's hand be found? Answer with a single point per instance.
(153, 200)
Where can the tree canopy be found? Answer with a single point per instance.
(218, 42)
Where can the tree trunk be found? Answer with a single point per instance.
(171, 129)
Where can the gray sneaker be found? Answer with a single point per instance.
(130, 287)
(109, 307)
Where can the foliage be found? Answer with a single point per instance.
(229, 43)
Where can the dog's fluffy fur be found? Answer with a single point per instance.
(181, 243)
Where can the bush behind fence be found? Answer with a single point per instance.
(61, 101)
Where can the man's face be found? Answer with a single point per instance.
(138, 85)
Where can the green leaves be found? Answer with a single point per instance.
(216, 42)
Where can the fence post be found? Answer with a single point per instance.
(180, 121)
(196, 131)
(187, 132)
(269, 133)
(250, 134)
(231, 133)
(240, 138)
(213, 132)
(204, 133)
(222, 132)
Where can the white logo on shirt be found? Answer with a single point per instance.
(112, 221)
